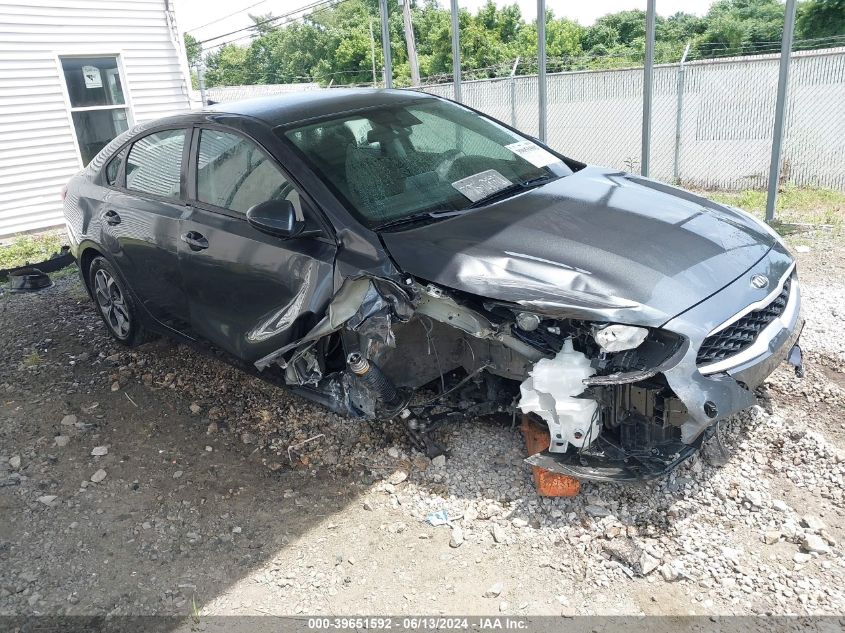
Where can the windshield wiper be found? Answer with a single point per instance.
(512, 190)
(508, 191)
(408, 219)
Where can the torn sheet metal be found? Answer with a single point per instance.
(367, 305)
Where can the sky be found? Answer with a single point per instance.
(193, 14)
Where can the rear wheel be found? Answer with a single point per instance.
(115, 303)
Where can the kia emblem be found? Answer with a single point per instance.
(759, 281)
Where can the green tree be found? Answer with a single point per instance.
(820, 18)
(193, 50)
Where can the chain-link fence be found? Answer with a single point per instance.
(713, 133)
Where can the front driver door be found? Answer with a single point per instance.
(249, 293)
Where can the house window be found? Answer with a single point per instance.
(97, 102)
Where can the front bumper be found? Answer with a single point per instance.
(721, 389)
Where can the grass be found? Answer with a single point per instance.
(32, 359)
(802, 206)
(29, 249)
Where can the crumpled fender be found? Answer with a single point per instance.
(365, 304)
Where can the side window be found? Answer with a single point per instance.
(113, 168)
(233, 173)
(154, 163)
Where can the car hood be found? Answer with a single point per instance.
(596, 244)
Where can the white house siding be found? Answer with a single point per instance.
(38, 150)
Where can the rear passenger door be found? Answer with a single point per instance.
(140, 222)
(249, 292)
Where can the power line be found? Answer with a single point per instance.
(313, 5)
(202, 26)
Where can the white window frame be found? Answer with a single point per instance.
(69, 109)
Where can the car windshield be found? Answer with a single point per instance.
(428, 156)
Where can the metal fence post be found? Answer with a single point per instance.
(542, 94)
(456, 51)
(513, 93)
(385, 44)
(676, 172)
(780, 109)
(201, 82)
(648, 80)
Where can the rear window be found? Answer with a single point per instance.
(154, 164)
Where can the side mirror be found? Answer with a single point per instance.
(275, 217)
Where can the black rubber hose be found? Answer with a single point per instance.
(371, 374)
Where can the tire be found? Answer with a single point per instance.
(115, 304)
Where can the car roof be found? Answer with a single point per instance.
(300, 106)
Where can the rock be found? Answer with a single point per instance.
(178, 474)
(69, 420)
(770, 537)
(212, 428)
(195, 408)
(801, 558)
(669, 572)
(780, 506)
(61, 440)
(100, 451)
(210, 449)
(393, 452)
(457, 537)
(648, 564)
(498, 533)
(754, 498)
(731, 553)
(368, 506)
(439, 461)
(815, 543)
(98, 476)
(397, 477)
(247, 438)
(15, 462)
(597, 511)
(115, 386)
(812, 522)
(47, 500)
(495, 591)
(626, 551)
(236, 530)
(519, 522)
(503, 606)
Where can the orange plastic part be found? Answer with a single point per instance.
(548, 484)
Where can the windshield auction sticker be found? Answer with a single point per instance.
(533, 153)
(482, 184)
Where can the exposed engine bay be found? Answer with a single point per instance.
(424, 355)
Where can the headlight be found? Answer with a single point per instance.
(617, 338)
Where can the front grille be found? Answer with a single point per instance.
(740, 334)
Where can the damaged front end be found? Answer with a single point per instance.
(621, 402)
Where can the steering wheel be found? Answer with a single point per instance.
(446, 164)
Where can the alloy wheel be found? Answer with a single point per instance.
(112, 303)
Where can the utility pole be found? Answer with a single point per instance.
(201, 82)
(385, 43)
(373, 52)
(410, 42)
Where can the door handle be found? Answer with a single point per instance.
(111, 217)
(195, 241)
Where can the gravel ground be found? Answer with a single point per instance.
(161, 481)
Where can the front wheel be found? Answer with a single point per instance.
(115, 303)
